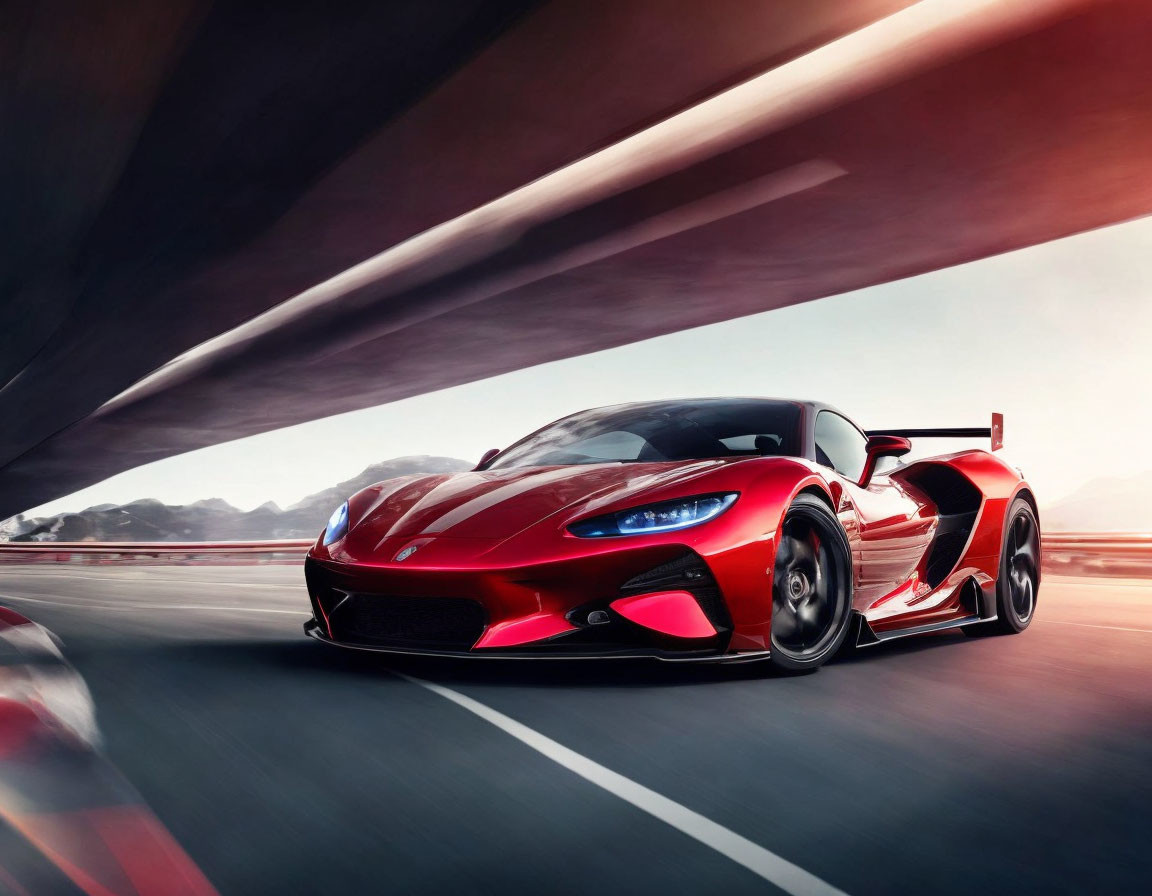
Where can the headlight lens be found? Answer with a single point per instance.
(663, 517)
(337, 524)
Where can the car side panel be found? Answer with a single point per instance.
(890, 528)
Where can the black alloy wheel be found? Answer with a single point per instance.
(1023, 564)
(1019, 582)
(811, 587)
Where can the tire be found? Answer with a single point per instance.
(811, 587)
(1018, 584)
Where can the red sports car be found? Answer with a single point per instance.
(711, 529)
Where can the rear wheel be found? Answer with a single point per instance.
(1019, 579)
(811, 587)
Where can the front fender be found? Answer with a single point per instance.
(743, 552)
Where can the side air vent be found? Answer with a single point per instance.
(950, 490)
(947, 546)
(957, 504)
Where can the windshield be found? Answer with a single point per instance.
(662, 431)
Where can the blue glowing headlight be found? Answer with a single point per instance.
(663, 517)
(337, 524)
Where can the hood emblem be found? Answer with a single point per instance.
(406, 553)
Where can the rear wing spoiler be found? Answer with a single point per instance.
(995, 432)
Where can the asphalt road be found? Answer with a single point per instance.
(940, 764)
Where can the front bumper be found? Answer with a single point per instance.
(596, 607)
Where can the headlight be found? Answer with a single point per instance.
(337, 524)
(663, 517)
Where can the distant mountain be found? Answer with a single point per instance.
(1111, 504)
(214, 519)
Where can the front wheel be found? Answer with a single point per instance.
(811, 587)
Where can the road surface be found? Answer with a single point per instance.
(939, 764)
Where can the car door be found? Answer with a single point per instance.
(888, 527)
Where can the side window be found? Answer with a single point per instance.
(840, 445)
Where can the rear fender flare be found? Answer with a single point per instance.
(1023, 490)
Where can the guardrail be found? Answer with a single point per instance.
(1098, 553)
(1122, 542)
(93, 552)
(1068, 553)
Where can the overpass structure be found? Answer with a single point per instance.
(222, 221)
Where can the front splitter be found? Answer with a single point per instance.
(313, 629)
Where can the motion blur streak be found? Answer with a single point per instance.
(755, 858)
(65, 813)
(926, 34)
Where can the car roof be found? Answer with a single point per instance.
(812, 407)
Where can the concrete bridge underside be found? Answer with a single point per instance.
(222, 221)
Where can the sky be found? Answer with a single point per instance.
(1058, 337)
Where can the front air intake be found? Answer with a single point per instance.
(430, 623)
(686, 573)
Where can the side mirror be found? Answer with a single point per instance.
(484, 461)
(882, 446)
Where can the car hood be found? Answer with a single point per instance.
(498, 504)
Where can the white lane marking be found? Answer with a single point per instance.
(774, 869)
(1115, 628)
(127, 608)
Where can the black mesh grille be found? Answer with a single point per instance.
(445, 623)
(687, 573)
